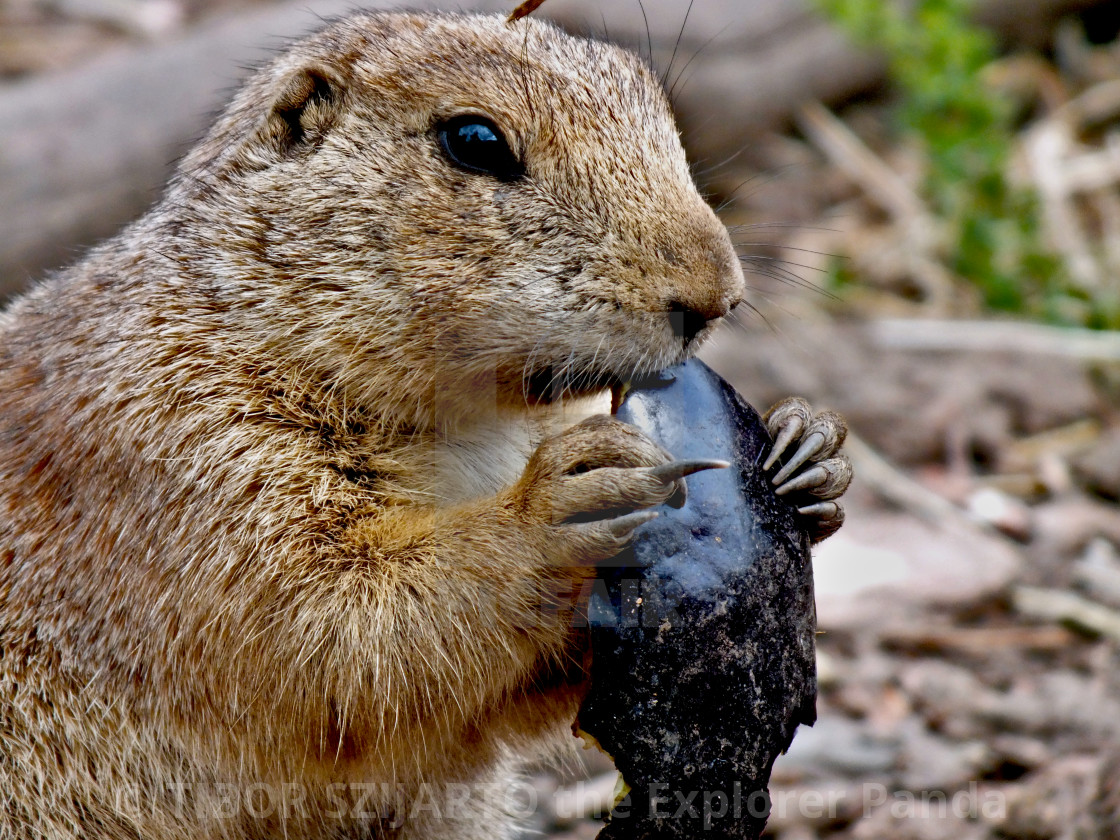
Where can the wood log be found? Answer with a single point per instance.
(84, 151)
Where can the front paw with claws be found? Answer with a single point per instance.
(593, 484)
(814, 475)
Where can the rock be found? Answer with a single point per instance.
(1099, 468)
(837, 745)
(990, 506)
(702, 639)
(884, 567)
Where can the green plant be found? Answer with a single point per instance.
(993, 234)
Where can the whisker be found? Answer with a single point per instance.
(677, 45)
(737, 316)
(780, 225)
(766, 177)
(707, 170)
(789, 278)
(673, 87)
(773, 301)
(649, 37)
(762, 258)
(775, 271)
(791, 248)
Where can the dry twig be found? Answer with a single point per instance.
(995, 337)
(1061, 606)
(920, 229)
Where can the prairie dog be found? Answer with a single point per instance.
(293, 520)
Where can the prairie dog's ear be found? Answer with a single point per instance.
(303, 111)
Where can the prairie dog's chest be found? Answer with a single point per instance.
(480, 462)
(486, 458)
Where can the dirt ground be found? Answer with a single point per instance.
(969, 610)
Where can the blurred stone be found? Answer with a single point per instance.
(931, 762)
(838, 745)
(885, 566)
(1020, 750)
(798, 832)
(1099, 468)
(1065, 526)
(1003, 512)
(147, 18)
(798, 808)
(1098, 571)
(1050, 704)
(1055, 802)
(829, 670)
(921, 815)
(1056, 474)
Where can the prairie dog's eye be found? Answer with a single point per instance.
(472, 142)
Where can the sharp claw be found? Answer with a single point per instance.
(674, 473)
(786, 421)
(809, 447)
(623, 526)
(787, 435)
(675, 470)
(810, 478)
(823, 510)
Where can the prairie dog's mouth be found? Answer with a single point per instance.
(584, 374)
(549, 385)
(654, 379)
(618, 394)
(554, 381)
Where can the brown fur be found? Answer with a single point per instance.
(268, 514)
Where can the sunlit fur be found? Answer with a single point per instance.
(261, 455)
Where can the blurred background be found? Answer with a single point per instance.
(926, 196)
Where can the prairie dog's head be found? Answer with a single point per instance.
(442, 204)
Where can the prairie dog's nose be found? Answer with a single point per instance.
(706, 294)
(687, 323)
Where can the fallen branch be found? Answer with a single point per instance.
(1060, 606)
(995, 337)
(976, 641)
(891, 484)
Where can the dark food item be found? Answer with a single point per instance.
(702, 636)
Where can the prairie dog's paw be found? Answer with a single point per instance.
(815, 475)
(593, 483)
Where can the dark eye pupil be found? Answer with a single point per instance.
(475, 144)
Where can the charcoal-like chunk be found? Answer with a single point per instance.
(702, 634)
